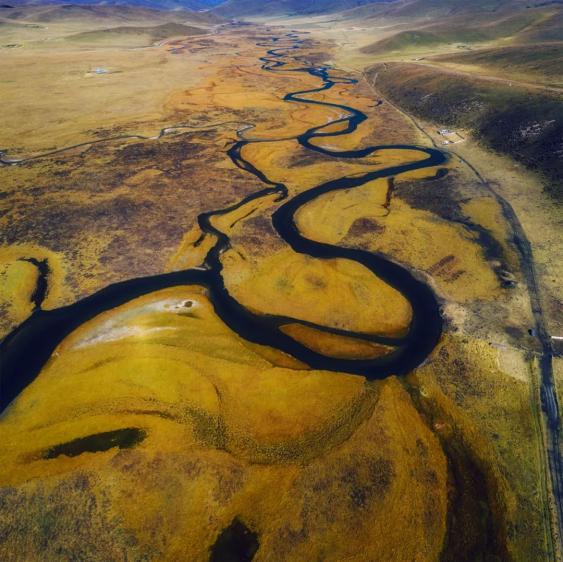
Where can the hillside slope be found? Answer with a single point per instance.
(522, 26)
(443, 8)
(240, 8)
(95, 14)
(543, 61)
(374, 8)
(154, 4)
(135, 35)
(521, 123)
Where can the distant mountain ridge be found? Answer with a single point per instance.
(351, 8)
(240, 8)
(367, 8)
(193, 5)
(102, 14)
(226, 8)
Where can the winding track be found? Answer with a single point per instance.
(26, 350)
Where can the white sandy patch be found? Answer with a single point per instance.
(512, 362)
(122, 326)
(456, 314)
(120, 333)
(331, 147)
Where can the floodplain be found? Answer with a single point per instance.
(173, 416)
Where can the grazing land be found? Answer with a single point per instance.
(282, 288)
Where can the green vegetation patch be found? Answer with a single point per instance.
(458, 31)
(539, 59)
(405, 40)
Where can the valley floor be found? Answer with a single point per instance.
(156, 430)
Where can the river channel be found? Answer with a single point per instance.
(28, 347)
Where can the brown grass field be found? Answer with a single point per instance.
(444, 464)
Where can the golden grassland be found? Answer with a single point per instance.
(290, 284)
(18, 280)
(403, 231)
(128, 95)
(261, 438)
(66, 103)
(320, 465)
(501, 434)
(332, 345)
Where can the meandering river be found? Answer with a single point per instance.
(27, 348)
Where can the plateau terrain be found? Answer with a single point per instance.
(281, 281)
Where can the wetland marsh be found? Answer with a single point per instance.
(257, 311)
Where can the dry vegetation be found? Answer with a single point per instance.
(444, 465)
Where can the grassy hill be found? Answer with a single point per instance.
(523, 124)
(192, 5)
(98, 14)
(130, 35)
(544, 59)
(520, 26)
(442, 8)
(404, 41)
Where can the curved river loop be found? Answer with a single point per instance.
(28, 347)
